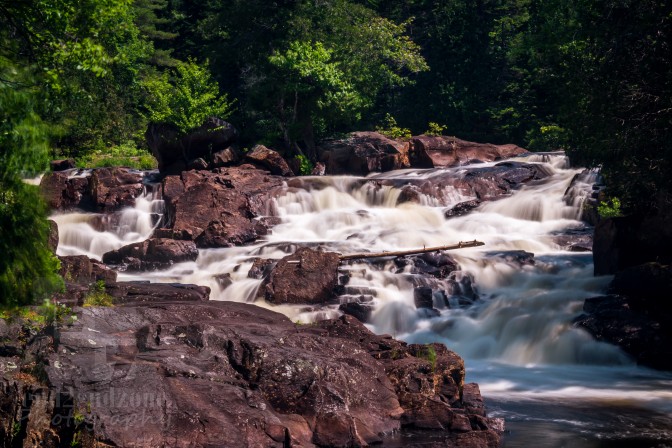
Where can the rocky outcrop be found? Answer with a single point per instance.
(97, 190)
(230, 374)
(362, 153)
(176, 152)
(270, 160)
(218, 208)
(306, 277)
(637, 314)
(440, 151)
(152, 254)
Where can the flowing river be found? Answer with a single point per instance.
(511, 321)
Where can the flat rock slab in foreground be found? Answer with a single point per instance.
(233, 375)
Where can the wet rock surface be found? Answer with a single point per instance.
(441, 151)
(636, 316)
(218, 208)
(152, 254)
(230, 374)
(483, 184)
(306, 277)
(97, 190)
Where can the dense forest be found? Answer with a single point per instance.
(83, 80)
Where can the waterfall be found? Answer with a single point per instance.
(508, 311)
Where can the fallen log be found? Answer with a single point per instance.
(401, 253)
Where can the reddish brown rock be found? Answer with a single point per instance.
(362, 153)
(61, 192)
(152, 254)
(113, 188)
(307, 276)
(435, 151)
(482, 183)
(199, 373)
(270, 160)
(219, 208)
(84, 270)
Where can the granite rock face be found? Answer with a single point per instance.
(229, 374)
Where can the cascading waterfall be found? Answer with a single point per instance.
(93, 234)
(555, 384)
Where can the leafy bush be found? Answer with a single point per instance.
(305, 165)
(392, 130)
(610, 208)
(186, 99)
(127, 155)
(435, 129)
(98, 296)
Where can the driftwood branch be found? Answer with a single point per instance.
(400, 253)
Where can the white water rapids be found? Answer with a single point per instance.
(553, 383)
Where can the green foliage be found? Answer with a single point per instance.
(392, 130)
(186, 99)
(435, 129)
(305, 165)
(98, 296)
(547, 138)
(610, 208)
(125, 154)
(27, 266)
(428, 353)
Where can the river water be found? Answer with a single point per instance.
(511, 322)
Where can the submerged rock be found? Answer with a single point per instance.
(230, 374)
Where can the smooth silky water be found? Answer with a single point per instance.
(553, 384)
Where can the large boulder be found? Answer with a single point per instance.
(114, 188)
(152, 254)
(175, 152)
(220, 208)
(440, 151)
(270, 160)
(306, 277)
(231, 374)
(362, 153)
(97, 190)
(62, 192)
